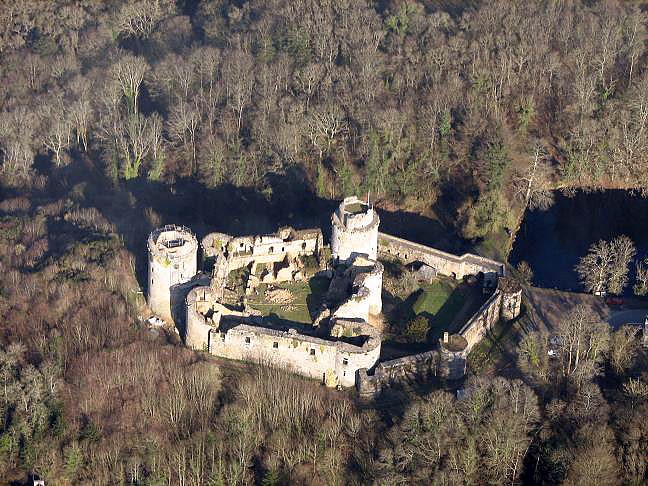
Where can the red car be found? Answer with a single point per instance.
(614, 301)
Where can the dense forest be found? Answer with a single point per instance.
(466, 111)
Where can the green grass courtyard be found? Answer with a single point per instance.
(445, 303)
(306, 298)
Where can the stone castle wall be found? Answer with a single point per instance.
(445, 263)
(332, 362)
(445, 362)
(372, 281)
(356, 306)
(236, 335)
(243, 250)
(197, 327)
(482, 321)
(414, 367)
(342, 352)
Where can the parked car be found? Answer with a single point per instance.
(611, 300)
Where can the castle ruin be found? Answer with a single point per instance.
(340, 346)
(354, 230)
(173, 261)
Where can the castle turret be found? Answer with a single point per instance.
(511, 298)
(453, 350)
(354, 230)
(173, 252)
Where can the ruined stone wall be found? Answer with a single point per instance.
(269, 246)
(243, 250)
(197, 328)
(373, 282)
(413, 367)
(332, 362)
(219, 276)
(356, 306)
(511, 298)
(446, 362)
(169, 267)
(371, 278)
(445, 263)
(275, 347)
(487, 315)
(215, 244)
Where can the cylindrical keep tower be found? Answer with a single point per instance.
(452, 349)
(173, 252)
(354, 230)
(511, 298)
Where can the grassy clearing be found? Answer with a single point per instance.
(432, 297)
(440, 302)
(307, 298)
(495, 245)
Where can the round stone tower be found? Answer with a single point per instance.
(453, 353)
(511, 298)
(354, 230)
(173, 252)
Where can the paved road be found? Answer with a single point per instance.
(621, 317)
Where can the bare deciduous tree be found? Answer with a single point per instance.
(138, 19)
(158, 147)
(307, 79)
(18, 131)
(641, 277)
(605, 267)
(623, 250)
(57, 133)
(129, 72)
(623, 348)
(183, 126)
(533, 184)
(594, 267)
(581, 338)
(239, 81)
(325, 126)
